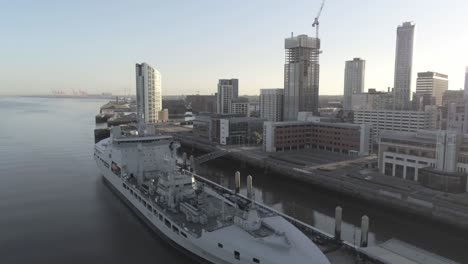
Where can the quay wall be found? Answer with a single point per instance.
(446, 212)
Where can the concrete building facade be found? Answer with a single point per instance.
(228, 90)
(404, 154)
(392, 120)
(238, 130)
(163, 115)
(451, 117)
(240, 107)
(148, 93)
(372, 100)
(228, 129)
(271, 104)
(301, 76)
(343, 138)
(403, 66)
(430, 88)
(353, 81)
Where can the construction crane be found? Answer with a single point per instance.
(316, 20)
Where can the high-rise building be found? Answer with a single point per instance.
(148, 92)
(301, 76)
(430, 88)
(466, 81)
(228, 90)
(353, 81)
(465, 125)
(403, 65)
(271, 104)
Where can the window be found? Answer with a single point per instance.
(220, 245)
(168, 224)
(237, 255)
(150, 207)
(155, 212)
(183, 234)
(255, 260)
(160, 217)
(175, 229)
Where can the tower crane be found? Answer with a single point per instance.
(316, 20)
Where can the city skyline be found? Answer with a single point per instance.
(97, 35)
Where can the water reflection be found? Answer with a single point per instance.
(316, 207)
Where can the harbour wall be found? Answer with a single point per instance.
(446, 212)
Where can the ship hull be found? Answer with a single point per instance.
(188, 245)
(153, 228)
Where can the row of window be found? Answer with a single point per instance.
(408, 160)
(103, 161)
(153, 210)
(237, 254)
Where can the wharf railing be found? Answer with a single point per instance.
(313, 232)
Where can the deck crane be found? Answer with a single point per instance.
(316, 21)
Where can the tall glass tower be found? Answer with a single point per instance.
(354, 81)
(403, 66)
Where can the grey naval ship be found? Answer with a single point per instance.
(208, 225)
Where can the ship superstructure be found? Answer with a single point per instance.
(208, 225)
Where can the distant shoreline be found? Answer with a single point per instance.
(69, 96)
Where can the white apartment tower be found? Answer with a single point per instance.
(271, 104)
(403, 66)
(148, 92)
(430, 88)
(353, 81)
(301, 76)
(228, 90)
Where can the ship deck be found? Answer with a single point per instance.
(213, 222)
(337, 252)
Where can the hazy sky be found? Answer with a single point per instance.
(93, 45)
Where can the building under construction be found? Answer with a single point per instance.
(301, 76)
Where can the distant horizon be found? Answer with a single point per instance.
(120, 95)
(95, 46)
